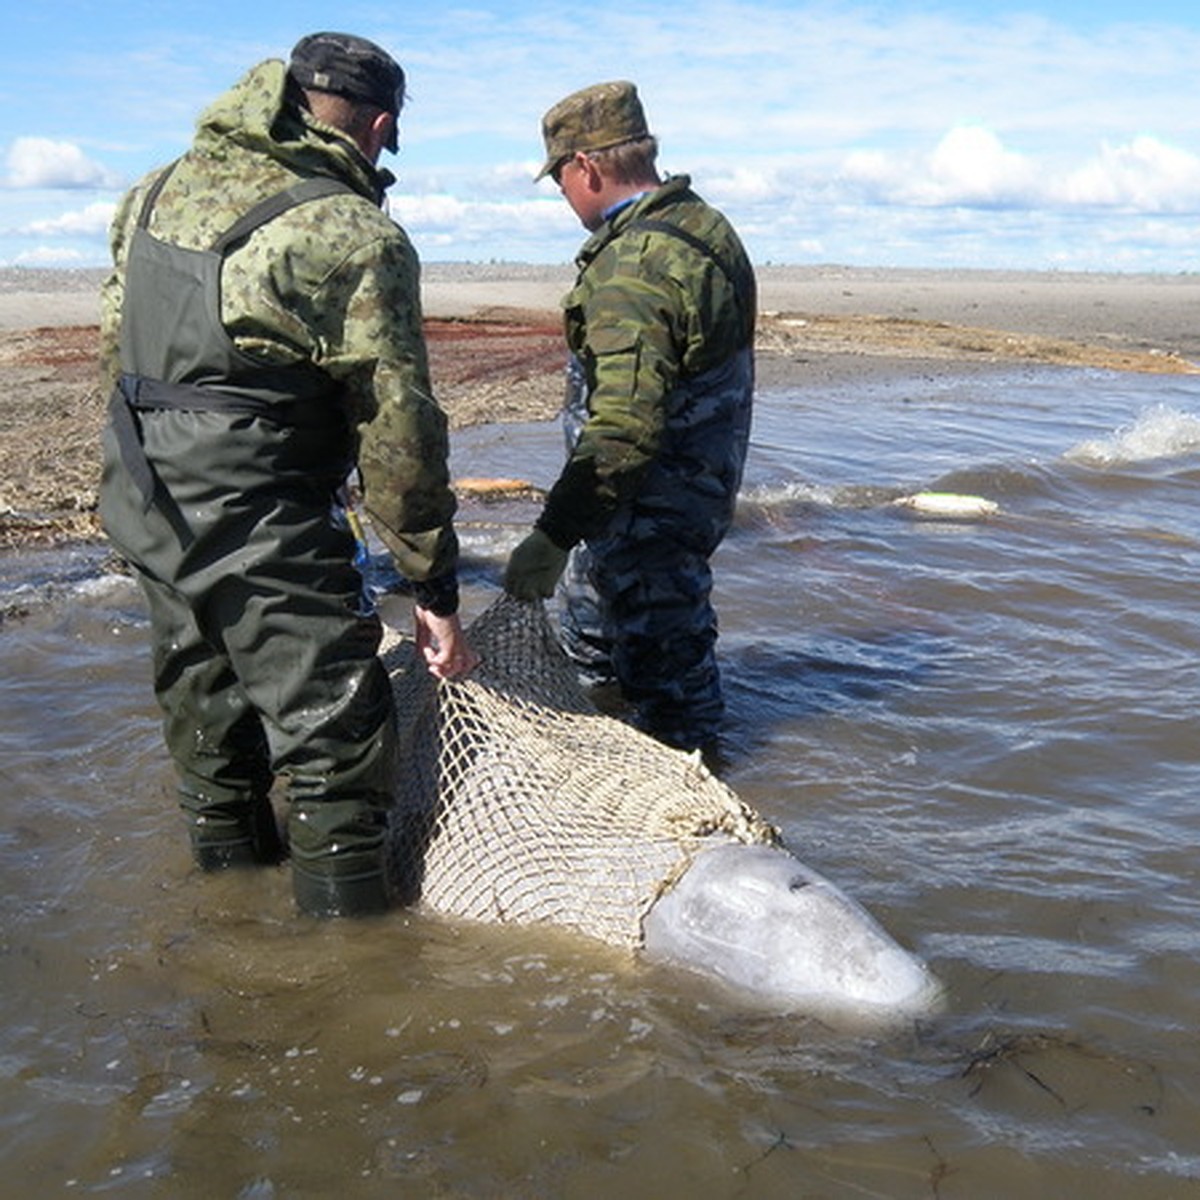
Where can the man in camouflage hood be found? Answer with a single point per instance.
(261, 335)
(660, 325)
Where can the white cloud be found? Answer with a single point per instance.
(540, 229)
(87, 222)
(51, 256)
(453, 212)
(767, 77)
(758, 184)
(37, 162)
(969, 166)
(869, 133)
(1146, 175)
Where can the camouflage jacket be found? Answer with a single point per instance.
(651, 310)
(334, 281)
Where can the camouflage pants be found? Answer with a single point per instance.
(636, 607)
(638, 613)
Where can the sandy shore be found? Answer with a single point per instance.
(1120, 312)
(496, 353)
(1129, 312)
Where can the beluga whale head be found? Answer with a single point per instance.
(775, 930)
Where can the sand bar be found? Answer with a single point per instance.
(1146, 312)
(496, 350)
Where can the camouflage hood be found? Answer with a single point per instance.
(257, 115)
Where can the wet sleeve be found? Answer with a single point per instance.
(374, 345)
(631, 352)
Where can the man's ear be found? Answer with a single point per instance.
(381, 128)
(595, 180)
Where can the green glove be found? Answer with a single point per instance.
(534, 567)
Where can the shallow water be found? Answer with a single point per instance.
(983, 730)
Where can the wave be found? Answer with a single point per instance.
(1157, 433)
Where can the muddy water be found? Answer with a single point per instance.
(985, 730)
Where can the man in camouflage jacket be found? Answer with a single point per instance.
(660, 325)
(261, 334)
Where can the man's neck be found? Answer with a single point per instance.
(628, 194)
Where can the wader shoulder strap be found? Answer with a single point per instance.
(151, 197)
(313, 188)
(135, 394)
(697, 244)
(742, 287)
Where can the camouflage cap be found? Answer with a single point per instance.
(594, 118)
(349, 66)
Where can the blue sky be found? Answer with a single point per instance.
(967, 134)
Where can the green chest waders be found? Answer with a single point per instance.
(219, 480)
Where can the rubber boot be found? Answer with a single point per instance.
(339, 854)
(211, 855)
(249, 841)
(354, 886)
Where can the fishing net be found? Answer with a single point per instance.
(519, 801)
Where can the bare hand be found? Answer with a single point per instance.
(443, 644)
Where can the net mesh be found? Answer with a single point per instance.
(518, 801)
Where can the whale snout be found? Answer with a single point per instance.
(759, 919)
